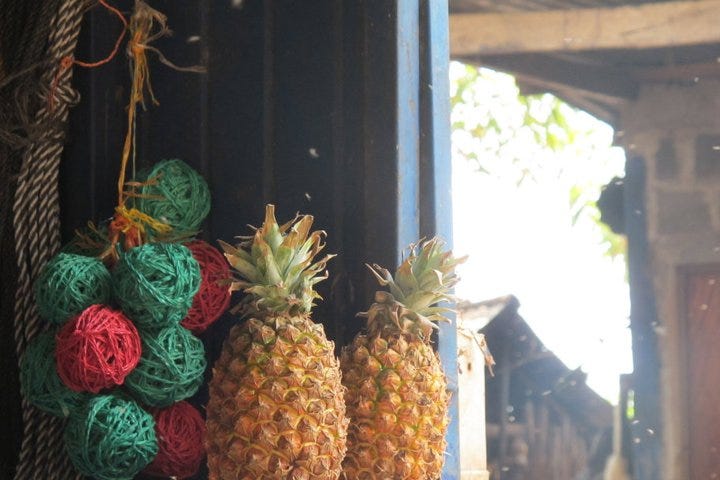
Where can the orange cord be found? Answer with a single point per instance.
(68, 61)
(117, 43)
(129, 224)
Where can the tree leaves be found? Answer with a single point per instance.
(529, 138)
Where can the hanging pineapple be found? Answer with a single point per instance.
(276, 408)
(397, 395)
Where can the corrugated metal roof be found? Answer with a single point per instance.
(468, 6)
(598, 81)
(539, 369)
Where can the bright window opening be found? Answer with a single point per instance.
(527, 172)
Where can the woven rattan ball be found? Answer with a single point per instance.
(40, 382)
(97, 349)
(180, 430)
(175, 194)
(155, 284)
(69, 284)
(111, 438)
(213, 297)
(171, 367)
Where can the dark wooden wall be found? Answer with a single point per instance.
(265, 124)
(325, 107)
(303, 105)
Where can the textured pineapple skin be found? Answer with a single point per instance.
(276, 408)
(397, 402)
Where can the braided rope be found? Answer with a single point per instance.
(36, 219)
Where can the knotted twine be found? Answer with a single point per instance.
(131, 225)
(112, 438)
(171, 368)
(90, 241)
(155, 284)
(180, 431)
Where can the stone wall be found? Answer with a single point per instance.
(676, 129)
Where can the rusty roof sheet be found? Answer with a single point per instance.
(470, 6)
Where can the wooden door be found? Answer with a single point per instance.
(703, 370)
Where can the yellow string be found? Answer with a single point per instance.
(139, 220)
(141, 24)
(145, 26)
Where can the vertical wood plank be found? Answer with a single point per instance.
(543, 443)
(646, 456)
(352, 287)
(304, 170)
(531, 433)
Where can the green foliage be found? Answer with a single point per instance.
(523, 138)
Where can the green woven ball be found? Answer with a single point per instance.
(111, 438)
(171, 368)
(179, 197)
(40, 382)
(69, 284)
(155, 284)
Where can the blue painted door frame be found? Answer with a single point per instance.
(413, 160)
(335, 108)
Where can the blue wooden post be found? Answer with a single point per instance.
(392, 128)
(407, 148)
(436, 186)
(408, 104)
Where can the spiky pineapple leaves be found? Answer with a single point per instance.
(276, 266)
(420, 284)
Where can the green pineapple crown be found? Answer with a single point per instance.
(420, 283)
(276, 266)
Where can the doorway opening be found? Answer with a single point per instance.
(527, 173)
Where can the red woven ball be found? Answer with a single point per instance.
(97, 349)
(213, 297)
(180, 431)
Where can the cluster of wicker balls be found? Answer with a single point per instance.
(119, 357)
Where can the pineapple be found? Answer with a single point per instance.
(397, 395)
(276, 407)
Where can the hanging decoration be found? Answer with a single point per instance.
(171, 367)
(69, 284)
(40, 381)
(111, 438)
(114, 300)
(97, 349)
(180, 430)
(174, 193)
(213, 297)
(155, 284)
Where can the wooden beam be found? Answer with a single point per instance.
(605, 83)
(597, 90)
(656, 25)
(694, 72)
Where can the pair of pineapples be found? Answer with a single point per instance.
(279, 406)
